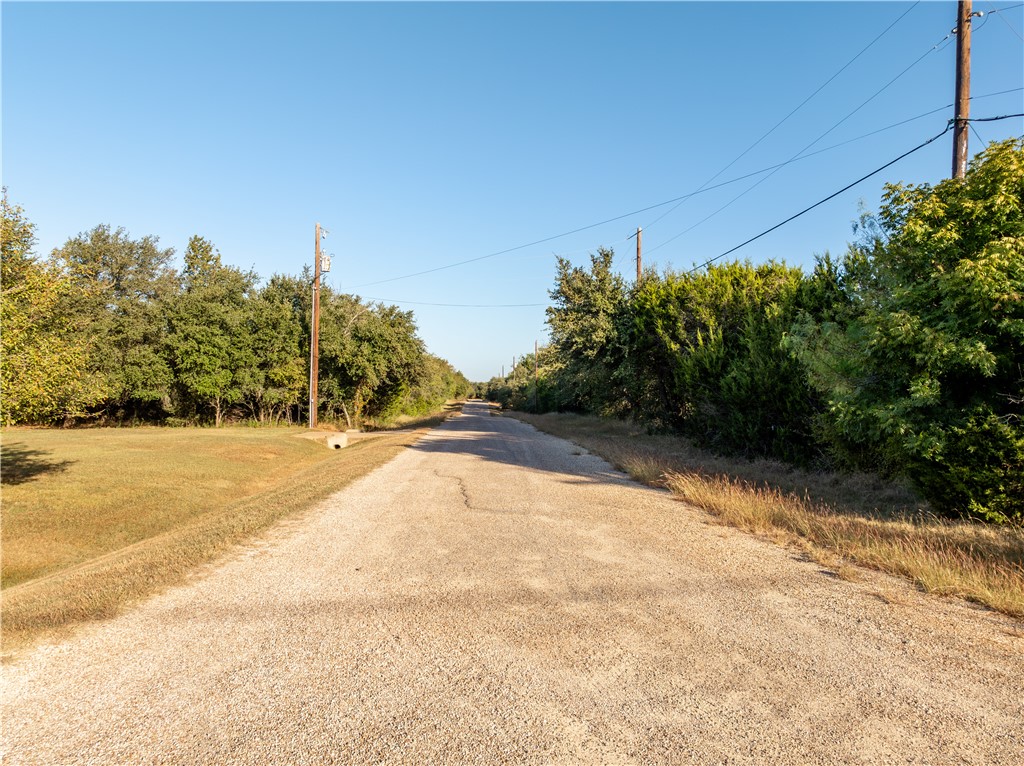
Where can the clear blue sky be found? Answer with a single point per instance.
(424, 134)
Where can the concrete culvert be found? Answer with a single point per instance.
(337, 441)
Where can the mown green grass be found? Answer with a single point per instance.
(72, 495)
(840, 520)
(95, 519)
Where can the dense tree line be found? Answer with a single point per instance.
(906, 356)
(107, 330)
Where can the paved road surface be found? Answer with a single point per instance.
(495, 596)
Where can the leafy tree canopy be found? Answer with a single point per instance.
(44, 372)
(929, 373)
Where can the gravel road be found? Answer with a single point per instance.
(495, 595)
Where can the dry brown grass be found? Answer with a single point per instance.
(124, 513)
(841, 520)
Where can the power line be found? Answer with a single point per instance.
(995, 119)
(999, 11)
(801, 152)
(514, 249)
(612, 245)
(844, 143)
(459, 305)
(756, 237)
(678, 199)
(804, 157)
(988, 14)
(794, 111)
(655, 206)
(840, 144)
(824, 200)
(998, 93)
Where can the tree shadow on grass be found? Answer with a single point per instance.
(19, 464)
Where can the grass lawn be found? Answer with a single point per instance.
(93, 519)
(839, 520)
(72, 495)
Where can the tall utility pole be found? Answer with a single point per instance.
(639, 266)
(314, 346)
(962, 100)
(536, 377)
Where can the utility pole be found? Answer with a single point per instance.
(314, 346)
(537, 389)
(962, 100)
(639, 266)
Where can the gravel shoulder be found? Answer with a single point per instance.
(495, 595)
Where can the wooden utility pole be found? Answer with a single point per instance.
(314, 346)
(639, 265)
(536, 378)
(962, 100)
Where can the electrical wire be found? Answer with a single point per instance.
(920, 146)
(579, 251)
(514, 249)
(799, 154)
(853, 140)
(460, 305)
(669, 201)
(998, 93)
(984, 21)
(794, 111)
(970, 124)
(999, 11)
(842, 143)
(822, 201)
(988, 14)
(995, 119)
(756, 237)
(678, 199)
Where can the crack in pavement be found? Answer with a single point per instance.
(463, 490)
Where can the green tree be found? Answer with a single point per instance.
(438, 382)
(43, 359)
(202, 263)
(370, 358)
(295, 294)
(709, 359)
(276, 381)
(124, 284)
(928, 373)
(533, 384)
(209, 333)
(584, 319)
